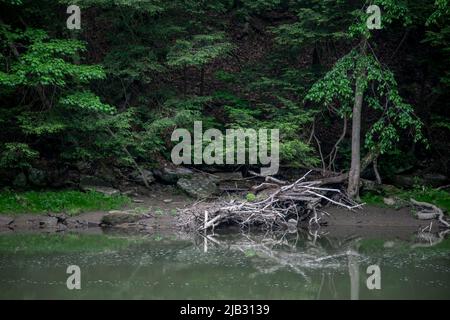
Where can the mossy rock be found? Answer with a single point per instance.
(115, 218)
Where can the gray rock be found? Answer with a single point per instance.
(37, 177)
(172, 175)
(115, 218)
(198, 186)
(73, 223)
(389, 201)
(107, 191)
(137, 177)
(20, 180)
(48, 222)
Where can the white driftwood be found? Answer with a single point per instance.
(295, 202)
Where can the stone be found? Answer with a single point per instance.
(172, 175)
(37, 177)
(115, 218)
(389, 244)
(48, 222)
(389, 201)
(73, 223)
(137, 177)
(107, 191)
(91, 183)
(198, 186)
(167, 200)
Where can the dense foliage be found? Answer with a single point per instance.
(112, 92)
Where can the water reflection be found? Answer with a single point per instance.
(304, 265)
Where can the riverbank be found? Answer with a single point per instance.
(158, 215)
(157, 208)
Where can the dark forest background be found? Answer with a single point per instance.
(108, 96)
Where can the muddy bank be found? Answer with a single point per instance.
(158, 214)
(150, 211)
(378, 217)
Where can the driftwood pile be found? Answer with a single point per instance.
(286, 205)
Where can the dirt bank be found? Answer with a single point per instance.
(158, 213)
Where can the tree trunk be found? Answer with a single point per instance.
(355, 168)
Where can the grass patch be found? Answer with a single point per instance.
(67, 201)
(51, 243)
(440, 198)
(374, 199)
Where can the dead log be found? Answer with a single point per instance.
(430, 211)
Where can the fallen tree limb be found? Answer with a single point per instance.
(435, 211)
(285, 205)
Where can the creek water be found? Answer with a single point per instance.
(303, 265)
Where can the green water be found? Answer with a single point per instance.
(227, 266)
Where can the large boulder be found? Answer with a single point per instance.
(198, 186)
(172, 175)
(115, 218)
(48, 222)
(136, 176)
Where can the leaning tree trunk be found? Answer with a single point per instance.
(355, 168)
